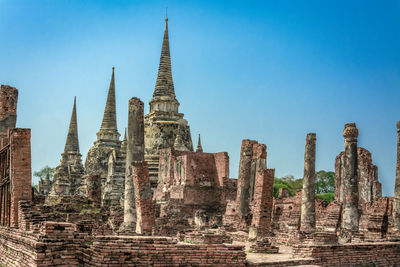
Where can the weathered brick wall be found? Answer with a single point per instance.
(369, 187)
(365, 254)
(161, 251)
(60, 244)
(20, 173)
(143, 197)
(222, 165)
(17, 247)
(190, 183)
(375, 218)
(8, 111)
(253, 157)
(261, 206)
(55, 245)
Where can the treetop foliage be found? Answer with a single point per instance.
(324, 185)
(43, 172)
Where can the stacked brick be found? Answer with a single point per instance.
(143, 198)
(8, 111)
(261, 206)
(366, 254)
(369, 187)
(253, 156)
(191, 183)
(59, 244)
(20, 173)
(263, 246)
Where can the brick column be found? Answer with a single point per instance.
(135, 152)
(350, 181)
(143, 198)
(243, 183)
(252, 157)
(396, 201)
(21, 172)
(262, 203)
(307, 221)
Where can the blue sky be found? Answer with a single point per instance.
(266, 70)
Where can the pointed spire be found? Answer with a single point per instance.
(199, 148)
(72, 143)
(125, 139)
(110, 117)
(165, 84)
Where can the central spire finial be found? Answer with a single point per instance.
(166, 13)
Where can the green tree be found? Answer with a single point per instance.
(288, 182)
(43, 172)
(324, 185)
(324, 182)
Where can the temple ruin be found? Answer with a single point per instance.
(151, 200)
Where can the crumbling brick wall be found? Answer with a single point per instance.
(20, 173)
(60, 244)
(190, 182)
(8, 110)
(369, 187)
(366, 254)
(261, 206)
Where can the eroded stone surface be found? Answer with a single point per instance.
(307, 221)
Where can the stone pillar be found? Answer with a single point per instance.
(350, 181)
(135, 152)
(243, 186)
(143, 198)
(253, 156)
(262, 204)
(396, 201)
(307, 221)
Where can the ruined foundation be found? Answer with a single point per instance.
(150, 200)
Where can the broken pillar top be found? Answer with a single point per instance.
(136, 101)
(311, 136)
(350, 130)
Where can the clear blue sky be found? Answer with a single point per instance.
(266, 70)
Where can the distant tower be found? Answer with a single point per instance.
(108, 133)
(199, 148)
(68, 174)
(164, 122)
(106, 158)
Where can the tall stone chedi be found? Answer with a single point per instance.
(134, 153)
(164, 122)
(350, 181)
(307, 221)
(106, 158)
(396, 201)
(68, 175)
